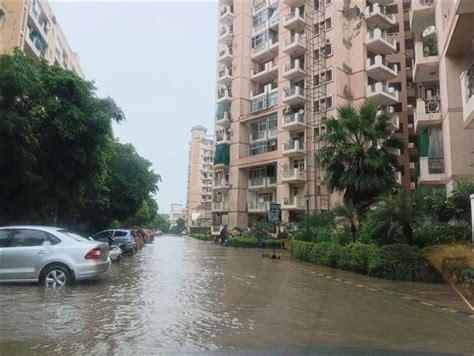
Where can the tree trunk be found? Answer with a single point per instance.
(408, 232)
(353, 230)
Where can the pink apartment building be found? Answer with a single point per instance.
(200, 174)
(285, 66)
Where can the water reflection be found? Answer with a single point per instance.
(186, 295)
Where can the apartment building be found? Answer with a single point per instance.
(283, 68)
(443, 73)
(31, 26)
(177, 211)
(200, 175)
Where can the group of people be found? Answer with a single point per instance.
(223, 237)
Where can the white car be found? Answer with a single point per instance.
(50, 255)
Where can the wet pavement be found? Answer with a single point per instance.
(186, 295)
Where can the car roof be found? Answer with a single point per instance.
(34, 227)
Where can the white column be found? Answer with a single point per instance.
(472, 216)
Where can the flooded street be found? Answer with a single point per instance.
(185, 295)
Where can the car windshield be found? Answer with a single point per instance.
(74, 236)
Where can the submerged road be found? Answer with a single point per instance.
(186, 295)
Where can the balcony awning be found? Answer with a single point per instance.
(222, 155)
(221, 109)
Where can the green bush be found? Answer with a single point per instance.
(399, 262)
(203, 237)
(441, 234)
(251, 242)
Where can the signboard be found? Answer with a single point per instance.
(273, 213)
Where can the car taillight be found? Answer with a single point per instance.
(94, 254)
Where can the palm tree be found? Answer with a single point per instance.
(358, 155)
(460, 200)
(401, 210)
(350, 213)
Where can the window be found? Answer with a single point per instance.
(328, 50)
(260, 18)
(102, 236)
(28, 238)
(3, 237)
(259, 39)
(326, 25)
(2, 17)
(120, 233)
(325, 77)
(265, 197)
(324, 103)
(263, 135)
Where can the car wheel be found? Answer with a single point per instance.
(56, 276)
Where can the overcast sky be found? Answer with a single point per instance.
(157, 61)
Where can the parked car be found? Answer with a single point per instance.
(148, 235)
(50, 255)
(139, 237)
(122, 237)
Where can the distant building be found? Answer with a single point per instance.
(31, 26)
(200, 174)
(177, 212)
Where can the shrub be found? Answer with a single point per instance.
(203, 237)
(401, 262)
(440, 234)
(251, 242)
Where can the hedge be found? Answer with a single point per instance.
(251, 242)
(399, 262)
(203, 237)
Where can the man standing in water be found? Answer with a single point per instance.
(224, 236)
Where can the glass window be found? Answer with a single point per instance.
(120, 233)
(74, 236)
(27, 238)
(3, 237)
(259, 39)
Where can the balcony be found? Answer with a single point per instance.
(257, 207)
(226, 34)
(376, 14)
(295, 21)
(294, 148)
(266, 72)
(426, 61)
(226, 14)
(382, 94)
(222, 136)
(380, 69)
(224, 119)
(431, 171)
(265, 51)
(263, 91)
(467, 96)
(377, 41)
(225, 56)
(36, 43)
(428, 113)
(293, 203)
(294, 176)
(224, 95)
(224, 76)
(296, 45)
(294, 122)
(259, 183)
(421, 14)
(294, 95)
(294, 71)
(219, 207)
(221, 184)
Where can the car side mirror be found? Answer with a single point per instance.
(90, 238)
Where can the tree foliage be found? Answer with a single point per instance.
(179, 227)
(58, 158)
(358, 155)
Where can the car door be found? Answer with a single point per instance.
(4, 234)
(24, 253)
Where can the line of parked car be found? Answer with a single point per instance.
(124, 241)
(56, 256)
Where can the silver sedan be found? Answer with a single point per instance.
(53, 256)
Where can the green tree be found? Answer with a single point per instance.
(350, 214)
(162, 224)
(146, 214)
(400, 211)
(358, 155)
(460, 200)
(55, 138)
(130, 182)
(179, 227)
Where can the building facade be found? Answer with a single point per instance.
(200, 174)
(443, 73)
(283, 68)
(177, 211)
(31, 26)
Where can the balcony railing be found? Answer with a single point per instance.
(381, 60)
(295, 118)
(290, 91)
(222, 93)
(299, 39)
(259, 4)
(296, 174)
(221, 183)
(384, 88)
(257, 206)
(293, 145)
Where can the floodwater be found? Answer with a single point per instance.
(185, 295)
